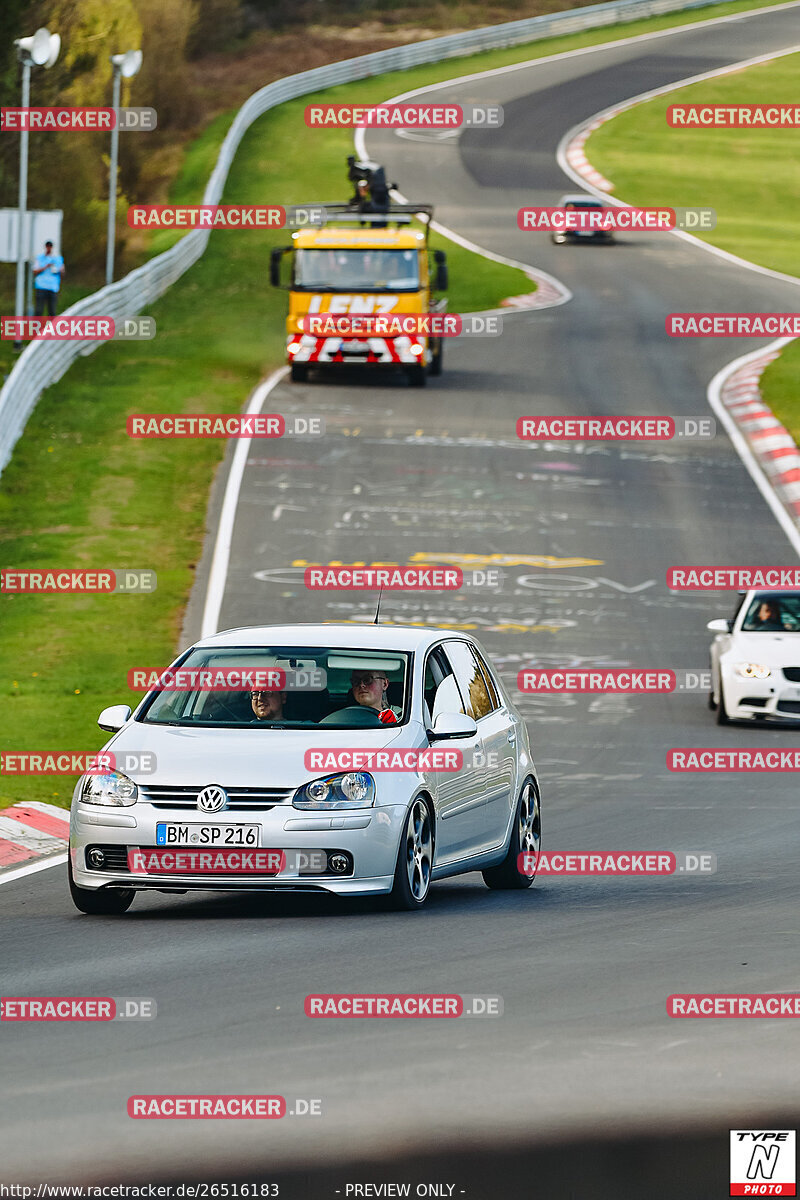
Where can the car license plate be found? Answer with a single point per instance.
(169, 833)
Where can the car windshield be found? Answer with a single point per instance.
(583, 204)
(283, 687)
(773, 614)
(345, 270)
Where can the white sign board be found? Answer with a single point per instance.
(40, 227)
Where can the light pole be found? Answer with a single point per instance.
(40, 50)
(125, 65)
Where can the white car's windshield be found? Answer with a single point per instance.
(283, 687)
(773, 614)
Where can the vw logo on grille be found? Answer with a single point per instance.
(212, 798)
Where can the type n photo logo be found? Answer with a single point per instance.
(763, 1162)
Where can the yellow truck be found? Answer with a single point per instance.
(363, 265)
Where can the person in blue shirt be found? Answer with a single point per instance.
(47, 271)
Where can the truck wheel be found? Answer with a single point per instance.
(299, 372)
(417, 376)
(436, 361)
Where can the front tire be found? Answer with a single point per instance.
(412, 872)
(102, 903)
(437, 358)
(526, 838)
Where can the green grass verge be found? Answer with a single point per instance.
(780, 387)
(79, 493)
(746, 175)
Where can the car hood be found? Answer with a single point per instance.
(243, 757)
(770, 649)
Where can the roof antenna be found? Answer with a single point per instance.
(378, 609)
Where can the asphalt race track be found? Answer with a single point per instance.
(584, 965)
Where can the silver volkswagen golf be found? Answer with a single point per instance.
(363, 760)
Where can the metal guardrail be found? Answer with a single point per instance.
(43, 363)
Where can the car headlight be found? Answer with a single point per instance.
(112, 788)
(752, 671)
(355, 789)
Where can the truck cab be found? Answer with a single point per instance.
(362, 264)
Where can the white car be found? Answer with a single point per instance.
(231, 775)
(755, 660)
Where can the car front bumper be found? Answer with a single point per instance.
(370, 836)
(770, 699)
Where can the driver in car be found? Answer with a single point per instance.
(370, 690)
(768, 617)
(267, 706)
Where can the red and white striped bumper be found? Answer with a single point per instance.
(367, 350)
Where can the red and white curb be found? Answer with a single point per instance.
(548, 294)
(770, 442)
(766, 448)
(31, 831)
(575, 156)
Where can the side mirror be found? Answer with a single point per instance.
(275, 265)
(113, 718)
(720, 625)
(452, 725)
(442, 278)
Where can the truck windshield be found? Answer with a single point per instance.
(346, 270)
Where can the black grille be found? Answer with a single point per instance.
(792, 674)
(788, 706)
(115, 858)
(755, 701)
(240, 799)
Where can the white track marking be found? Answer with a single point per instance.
(41, 864)
(218, 573)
